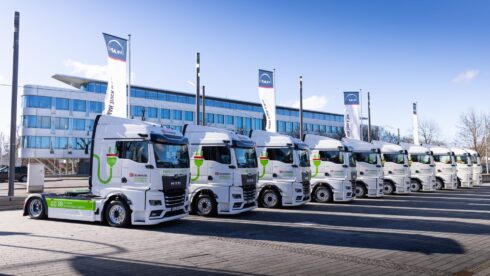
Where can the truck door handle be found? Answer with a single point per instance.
(274, 175)
(361, 173)
(210, 178)
(149, 166)
(124, 180)
(232, 166)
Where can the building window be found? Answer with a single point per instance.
(36, 142)
(152, 112)
(61, 123)
(220, 119)
(133, 150)
(60, 143)
(78, 124)
(79, 105)
(137, 111)
(176, 115)
(90, 124)
(165, 113)
(238, 122)
(80, 144)
(210, 118)
(189, 116)
(96, 107)
(30, 121)
(62, 104)
(38, 101)
(229, 120)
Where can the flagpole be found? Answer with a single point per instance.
(129, 76)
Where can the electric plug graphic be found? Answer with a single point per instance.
(111, 158)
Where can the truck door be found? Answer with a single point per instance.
(133, 156)
(219, 164)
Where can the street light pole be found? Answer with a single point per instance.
(369, 117)
(13, 111)
(300, 107)
(203, 105)
(198, 79)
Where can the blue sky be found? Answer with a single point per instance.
(432, 52)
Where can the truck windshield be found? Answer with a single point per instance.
(420, 158)
(171, 156)
(442, 158)
(284, 155)
(397, 158)
(246, 157)
(463, 159)
(366, 157)
(304, 160)
(333, 156)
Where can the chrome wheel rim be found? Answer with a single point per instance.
(35, 207)
(414, 186)
(387, 188)
(359, 192)
(204, 205)
(438, 185)
(117, 214)
(270, 199)
(322, 195)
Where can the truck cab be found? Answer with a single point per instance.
(477, 168)
(369, 182)
(223, 171)
(422, 168)
(284, 169)
(464, 167)
(139, 175)
(333, 169)
(395, 167)
(446, 175)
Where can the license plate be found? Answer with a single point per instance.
(177, 208)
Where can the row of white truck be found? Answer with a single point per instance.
(143, 174)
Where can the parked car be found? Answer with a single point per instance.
(20, 174)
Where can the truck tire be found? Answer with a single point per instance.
(388, 188)
(360, 190)
(36, 208)
(205, 205)
(415, 186)
(439, 184)
(118, 214)
(270, 198)
(323, 194)
(23, 179)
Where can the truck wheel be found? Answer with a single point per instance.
(459, 183)
(270, 198)
(205, 205)
(439, 184)
(117, 214)
(323, 194)
(388, 188)
(23, 178)
(35, 208)
(415, 186)
(360, 191)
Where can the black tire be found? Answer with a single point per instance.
(388, 188)
(415, 186)
(205, 205)
(323, 194)
(459, 183)
(36, 209)
(270, 198)
(439, 184)
(118, 214)
(23, 179)
(360, 191)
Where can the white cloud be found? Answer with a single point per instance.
(314, 102)
(87, 70)
(467, 76)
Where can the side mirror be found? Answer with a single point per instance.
(345, 166)
(149, 166)
(294, 165)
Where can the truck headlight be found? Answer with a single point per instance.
(155, 202)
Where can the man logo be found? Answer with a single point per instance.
(351, 98)
(265, 79)
(115, 47)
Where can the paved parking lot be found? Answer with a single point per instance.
(438, 233)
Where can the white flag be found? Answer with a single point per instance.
(267, 96)
(351, 117)
(116, 99)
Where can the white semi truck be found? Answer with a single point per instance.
(445, 168)
(464, 167)
(284, 169)
(223, 171)
(369, 168)
(139, 175)
(333, 169)
(477, 168)
(396, 168)
(422, 168)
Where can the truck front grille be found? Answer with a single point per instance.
(249, 192)
(174, 199)
(306, 187)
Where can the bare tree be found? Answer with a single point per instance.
(429, 131)
(472, 131)
(388, 136)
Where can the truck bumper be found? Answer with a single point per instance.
(402, 185)
(343, 191)
(375, 188)
(294, 194)
(428, 183)
(246, 202)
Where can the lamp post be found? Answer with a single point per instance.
(300, 107)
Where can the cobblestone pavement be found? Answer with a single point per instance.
(439, 233)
